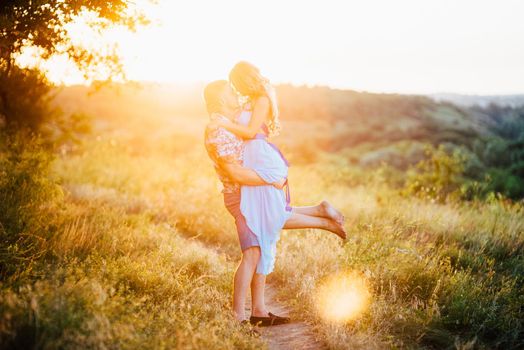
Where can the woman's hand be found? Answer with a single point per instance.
(279, 184)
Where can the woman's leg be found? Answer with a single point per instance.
(324, 209)
(315, 210)
(298, 221)
(243, 276)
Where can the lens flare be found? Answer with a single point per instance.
(343, 297)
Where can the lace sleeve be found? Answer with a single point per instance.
(226, 144)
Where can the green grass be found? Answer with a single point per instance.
(113, 272)
(128, 260)
(441, 274)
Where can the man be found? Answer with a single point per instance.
(225, 150)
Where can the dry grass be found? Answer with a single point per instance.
(128, 266)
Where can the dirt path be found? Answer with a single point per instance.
(295, 335)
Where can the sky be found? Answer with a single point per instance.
(402, 46)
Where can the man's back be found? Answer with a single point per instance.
(223, 146)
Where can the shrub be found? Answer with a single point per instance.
(28, 200)
(438, 177)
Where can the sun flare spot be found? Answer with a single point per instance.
(343, 297)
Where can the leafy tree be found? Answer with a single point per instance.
(42, 24)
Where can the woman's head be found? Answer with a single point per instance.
(248, 81)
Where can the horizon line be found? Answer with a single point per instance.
(309, 85)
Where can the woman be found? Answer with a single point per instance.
(266, 209)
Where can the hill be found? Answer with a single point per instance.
(368, 129)
(516, 100)
(120, 239)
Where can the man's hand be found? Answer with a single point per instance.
(279, 184)
(241, 175)
(247, 176)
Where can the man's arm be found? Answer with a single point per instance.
(246, 176)
(220, 142)
(243, 176)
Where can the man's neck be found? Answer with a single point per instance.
(230, 113)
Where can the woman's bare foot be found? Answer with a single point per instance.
(332, 213)
(336, 228)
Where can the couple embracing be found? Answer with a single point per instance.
(254, 174)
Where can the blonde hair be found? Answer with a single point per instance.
(248, 81)
(212, 94)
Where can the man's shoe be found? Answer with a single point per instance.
(283, 318)
(271, 320)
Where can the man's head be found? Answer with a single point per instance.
(220, 97)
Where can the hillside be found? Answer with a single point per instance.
(124, 240)
(368, 129)
(516, 100)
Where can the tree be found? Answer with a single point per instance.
(42, 24)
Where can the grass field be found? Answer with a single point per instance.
(134, 249)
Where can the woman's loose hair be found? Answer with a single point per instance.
(248, 81)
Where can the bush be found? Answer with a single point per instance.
(438, 177)
(504, 182)
(25, 98)
(28, 200)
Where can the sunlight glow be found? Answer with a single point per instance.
(409, 46)
(343, 297)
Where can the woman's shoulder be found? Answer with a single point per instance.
(262, 103)
(249, 105)
(264, 100)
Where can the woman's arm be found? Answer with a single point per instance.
(260, 112)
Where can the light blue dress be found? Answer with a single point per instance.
(265, 208)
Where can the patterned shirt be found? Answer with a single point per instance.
(224, 147)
